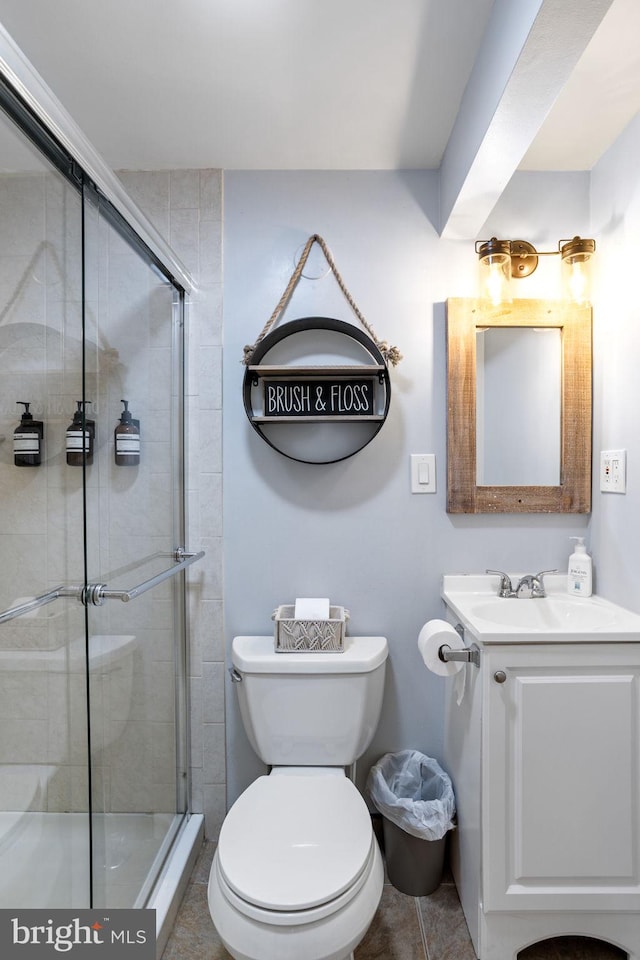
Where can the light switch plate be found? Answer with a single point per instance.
(423, 473)
(613, 471)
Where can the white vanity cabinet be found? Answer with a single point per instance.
(544, 754)
(561, 777)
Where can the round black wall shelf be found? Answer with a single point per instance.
(320, 412)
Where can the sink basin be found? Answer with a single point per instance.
(473, 600)
(548, 613)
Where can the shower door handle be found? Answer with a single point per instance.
(95, 594)
(74, 593)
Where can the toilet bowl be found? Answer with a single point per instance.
(297, 872)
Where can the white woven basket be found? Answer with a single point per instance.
(309, 636)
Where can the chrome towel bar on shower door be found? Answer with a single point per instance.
(96, 593)
(35, 602)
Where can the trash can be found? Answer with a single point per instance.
(415, 797)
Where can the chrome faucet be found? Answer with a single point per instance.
(530, 587)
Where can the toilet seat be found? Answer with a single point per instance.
(295, 844)
(286, 918)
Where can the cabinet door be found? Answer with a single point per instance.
(561, 749)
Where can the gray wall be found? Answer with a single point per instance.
(352, 530)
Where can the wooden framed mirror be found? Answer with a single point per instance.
(518, 407)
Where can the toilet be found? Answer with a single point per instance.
(297, 872)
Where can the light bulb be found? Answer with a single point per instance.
(496, 283)
(577, 283)
(495, 271)
(576, 273)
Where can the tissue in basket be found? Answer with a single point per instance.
(309, 636)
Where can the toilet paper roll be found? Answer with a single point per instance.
(431, 638)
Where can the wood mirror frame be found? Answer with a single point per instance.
(573, 493)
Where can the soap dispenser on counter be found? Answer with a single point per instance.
(28, 439)
(80, 437)
(579, 574)
(127, 439)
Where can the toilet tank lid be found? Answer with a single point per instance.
(257, 655)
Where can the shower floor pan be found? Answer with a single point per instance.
(44, 857)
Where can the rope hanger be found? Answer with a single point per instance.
(391, 354)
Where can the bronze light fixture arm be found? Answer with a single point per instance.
(524, 256)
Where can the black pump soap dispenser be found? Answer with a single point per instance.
(127, 439)
(28, 439)
(80, 437)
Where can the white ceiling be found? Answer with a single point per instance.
(306, 84)
(267, 84)
(600, 98)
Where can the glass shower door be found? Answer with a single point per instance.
(44, 819)
(93, 705)
(132, 403)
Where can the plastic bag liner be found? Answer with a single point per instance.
(414, 792)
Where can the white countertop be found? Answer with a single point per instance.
(557, 618)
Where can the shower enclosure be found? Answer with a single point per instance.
(93, 712)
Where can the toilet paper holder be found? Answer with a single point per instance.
(468, 655)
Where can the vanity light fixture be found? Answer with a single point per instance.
(502, 260)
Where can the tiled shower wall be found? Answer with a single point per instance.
(186, 207)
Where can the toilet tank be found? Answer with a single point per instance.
(310, 709)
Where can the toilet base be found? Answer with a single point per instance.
(332, 938)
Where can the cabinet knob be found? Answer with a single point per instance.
(499, 676)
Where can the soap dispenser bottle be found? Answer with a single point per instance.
(127, 439)
(28, 439)
(579, 575)
(80, 437)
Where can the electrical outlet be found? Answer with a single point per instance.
(613, 471)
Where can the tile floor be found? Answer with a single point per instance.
(404, 928)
